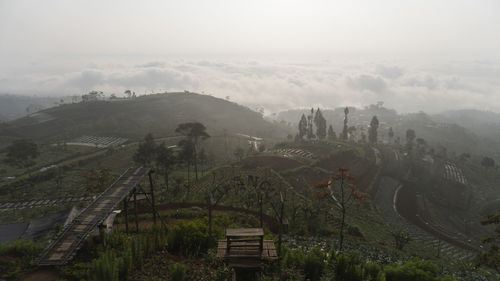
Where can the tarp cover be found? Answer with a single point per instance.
(12, 232)
(37, 228)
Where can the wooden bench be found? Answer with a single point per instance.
(250, 241)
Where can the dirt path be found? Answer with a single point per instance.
(41, 275)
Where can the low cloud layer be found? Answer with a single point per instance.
(274, 85)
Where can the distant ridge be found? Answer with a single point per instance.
(133, 118)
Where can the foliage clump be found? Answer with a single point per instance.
(189, 238)
(123, 254)
(16, 257)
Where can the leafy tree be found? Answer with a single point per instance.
(203, 159)
(96, 180)
(363, 137)
(372, 132)
(401, 238)
(20, 153)
(492, 256)
(302, 126)
(187, 152)
(194, 132)
(213, 196)
(351, 132)
(297, 138)
(391, 134)
(421, 145)
(310, 133)
(239, 153)
(128, 93)
(464, 157)
(320, 123)
(487, 162)
(331, 134)
(410, 136)
(177, 271)
(165, 160)
(262, 148)
(337, 190)
(345, 129)
(146, 151)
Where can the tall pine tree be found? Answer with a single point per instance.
(331, 134)
(372, 133)
(302, 126)
(320, 123)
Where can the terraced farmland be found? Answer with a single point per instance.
(453, 173)
(16, 205)
(296, 152)
(385, 203)
(100, 142)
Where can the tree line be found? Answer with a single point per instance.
(313, 126)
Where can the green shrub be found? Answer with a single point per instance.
(314, 264)
(125, 263)
(414, 271)
(159, 238)
(137, 251)
(189, 238)
(177, 271)
(104, 268)
(294, 258)
(9, 269)
(21, 248)
(115, 239)
(76, 271)
(354, 231)
(373, 272)
(347, 267)
(18, 256)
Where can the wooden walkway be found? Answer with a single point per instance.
(64, 247)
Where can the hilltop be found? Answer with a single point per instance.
(133, 118)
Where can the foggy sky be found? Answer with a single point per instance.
(414, 55)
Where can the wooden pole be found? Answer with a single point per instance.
(260, 209)
(152, 196)
(281, 225)
(125, 208)
(135, 211)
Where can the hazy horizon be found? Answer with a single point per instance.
(416, 55)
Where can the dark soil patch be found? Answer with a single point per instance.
(274, 162)
(41, 275)
(302, 179)
(362, 169)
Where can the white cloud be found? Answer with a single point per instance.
(273, 84)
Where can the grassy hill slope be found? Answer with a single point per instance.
(159, 114)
